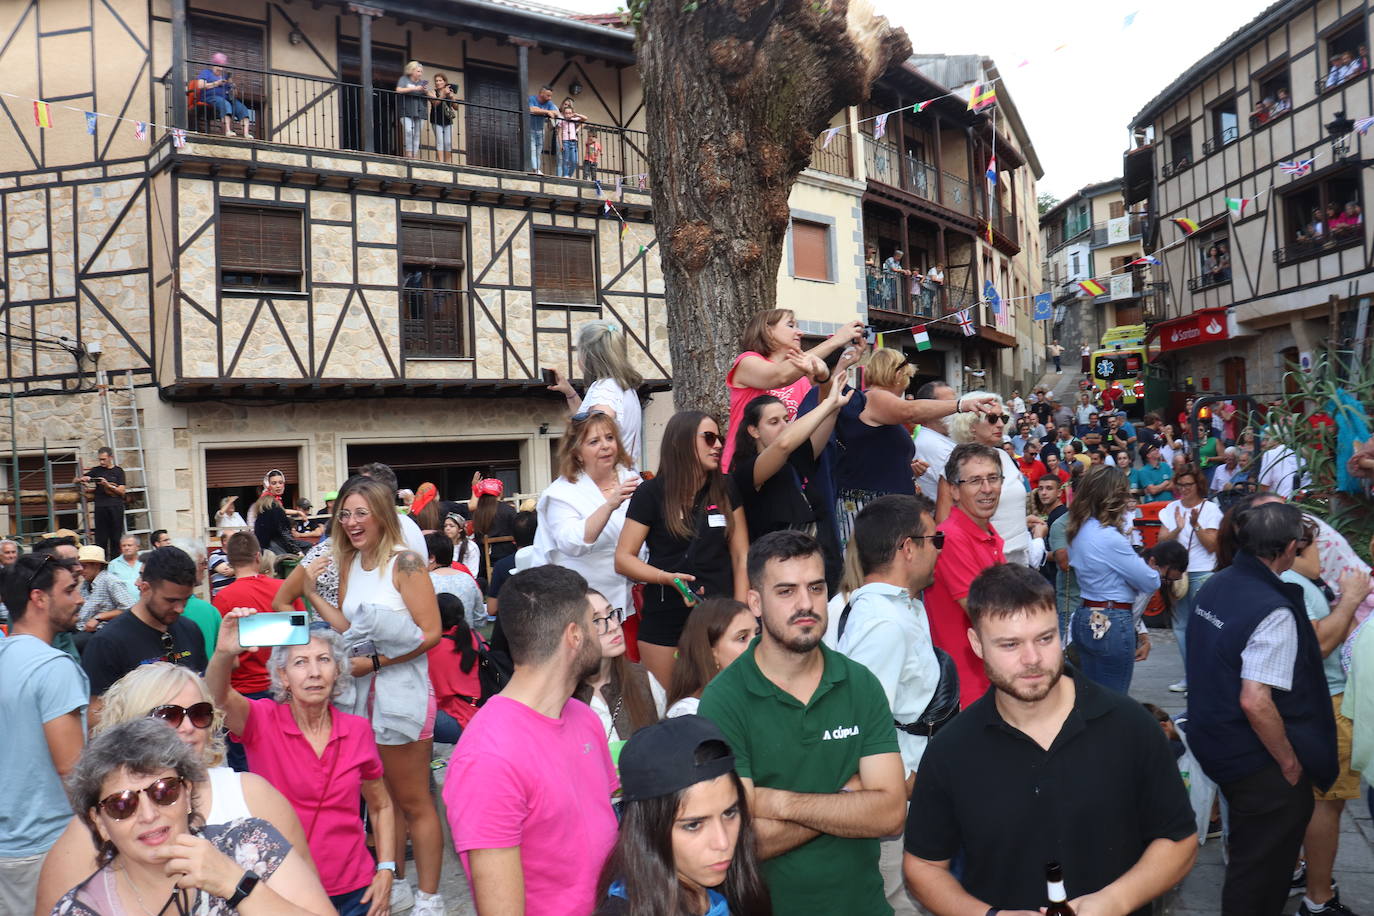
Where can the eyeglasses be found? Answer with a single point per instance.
(996, 417)
(201, 714)
(978, 483)
(712, 439)
(163, 792)
(937, 540)
(604, 624)
(360, 514)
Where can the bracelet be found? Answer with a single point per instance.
(376, 663)
(245, 887)
(387, 866)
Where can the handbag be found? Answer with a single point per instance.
(944, 703)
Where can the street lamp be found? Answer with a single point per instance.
(1339, 130)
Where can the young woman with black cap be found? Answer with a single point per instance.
(686, 846)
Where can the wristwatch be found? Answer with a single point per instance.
(245, 887)
(387, 866)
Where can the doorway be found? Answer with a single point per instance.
(386, 70)
(492, 124)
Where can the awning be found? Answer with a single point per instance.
(1203, 326)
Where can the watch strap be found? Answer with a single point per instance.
(245, 887)
(387, 866)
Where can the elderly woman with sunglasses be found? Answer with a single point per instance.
(179, 697)
(133, 790)
(324, 761)
(1010, 519)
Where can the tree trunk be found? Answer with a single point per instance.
(735, 92)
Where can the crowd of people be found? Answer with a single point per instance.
(858, 648)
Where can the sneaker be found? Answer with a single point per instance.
(1180, 687)
(402, 897)
(428, 904)
(1299, 883)
(1332, 907)
(1214, 833)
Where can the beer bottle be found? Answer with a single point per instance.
(1054, 878)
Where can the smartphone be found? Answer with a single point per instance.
(856, 378)
(689, 598)
(274, 629)
(870, 334)
(363, 649)
(550, 378)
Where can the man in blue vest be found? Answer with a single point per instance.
(1259, 712)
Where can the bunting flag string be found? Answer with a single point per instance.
(880, 126)
(140, 130)
(42, 114)
(91, 117)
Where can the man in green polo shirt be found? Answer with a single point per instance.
(813, 740)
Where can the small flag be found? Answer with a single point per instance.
(922, 338)
(1147, 259)
(922, 106)
(992, 169)
(829, 135)
(1129, 20)
(1237, 206)
(1042, 307)
(989, 232)
(879, 342)
(1296, 166)
(642, 180)
(1091, 287)
(880, 126)
(178, 137)
(140, 130)
(1362, 126)
(42, 114)
(1187, 225)
(982, 96)
(624, 228)
(965, 323)
(994, 300)
(90, 122)
(599, 192)
(606, 207)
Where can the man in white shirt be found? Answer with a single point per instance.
(882, 625)
(1278, 467)
(414, 537)
(1017, 405)
(1225, 473)
(1193, 521)
(933, 443)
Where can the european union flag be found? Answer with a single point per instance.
(994, 300)
(1042, 309)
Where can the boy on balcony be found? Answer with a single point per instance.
(215, 87)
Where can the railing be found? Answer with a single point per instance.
(1133, 231)
(836, 158)
(880, 162)
(1269, 117)
(1154, 300)
(1006, 223)
(893, 293)
(1176, 166)
(1331, 81)
(327, 114)
(883, 291)
(434, 323)
(1302, 249)
(955, 195)
(922, 179)
(1217, 141)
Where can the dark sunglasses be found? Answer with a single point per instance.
(164, 792)
(201, 714)
(996, 417)
(712, 439)
(38, 570)
(937, 540)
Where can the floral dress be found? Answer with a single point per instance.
(251, 842)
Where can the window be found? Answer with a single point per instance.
(239, 471)
(433, 305)
(1181, 148)
(1347, 55)
(1322, 215)
(1075, 270)
(1213, 259)
(242, 43)
(1273, 98)
(564, 269)
(1225, 125)
(810, 250)
(260, 248)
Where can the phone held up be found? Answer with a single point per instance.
(290, 628)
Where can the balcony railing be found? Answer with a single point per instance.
(1209, 280)
(922, 178)
(880, 162)
(1216, 142)
(1133, 231)
(434, 324)
(1330, 82)
(327, 114)
(1176, 166)
(1302, 249)
(954, 194)
(1154, 301)
(836, 158)
(893, 293)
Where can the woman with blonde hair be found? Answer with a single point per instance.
(413, 98)
(386, 598)
(604, 357)
(177, 696)
(1010, 520)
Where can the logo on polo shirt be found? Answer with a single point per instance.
(838, 734)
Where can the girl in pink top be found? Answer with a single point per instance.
(772, 363)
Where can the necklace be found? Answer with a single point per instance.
(129, 879)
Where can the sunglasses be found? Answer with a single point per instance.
(201, 714)
(996, 417)
(169, 643)
(38, 570)
(585, 415)
(937, 540)
(164, 792)
(712, 439)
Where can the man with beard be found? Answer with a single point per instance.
(1044, 768)
(813, 740)
(43, 707)
(528, 788)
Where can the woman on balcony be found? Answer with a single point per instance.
(443, 109)
(412, 102)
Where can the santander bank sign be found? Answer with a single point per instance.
(1202, 327)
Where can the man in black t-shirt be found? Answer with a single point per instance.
(153, 630)
(106, 482)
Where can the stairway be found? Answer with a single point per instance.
(124, 434)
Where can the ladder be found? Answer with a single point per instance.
(124, 434)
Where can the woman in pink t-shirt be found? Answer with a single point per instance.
(772, 362)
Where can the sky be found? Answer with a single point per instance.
(1075, 100)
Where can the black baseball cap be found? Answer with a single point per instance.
(661, 759)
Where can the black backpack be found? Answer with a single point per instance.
(494, 670)
(944, 703)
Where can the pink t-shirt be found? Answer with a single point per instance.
(325, 790)
(518, 778)
(790, 395)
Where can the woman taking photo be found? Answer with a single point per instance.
(385, 595)
(1010, 518)
(603, 354)
(325, 761)
(442, 113)
(686, 846)
(716, 634)
(132, 790)
(177, 696)
(623, 694)
(1110, 578)
(695, 531)
(582, 513)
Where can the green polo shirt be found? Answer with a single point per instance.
(781, 744)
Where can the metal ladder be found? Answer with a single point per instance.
(124, 434)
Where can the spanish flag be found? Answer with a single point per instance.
(1091, 287)
(42, 114)
(981, 96)
(1187, 225)
(989, 232)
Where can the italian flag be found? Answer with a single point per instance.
(1237, 205)
(922, 338)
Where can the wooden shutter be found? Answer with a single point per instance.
(260, 240)
(1119, 263)
(1116, 208)
(810, 250)
(246, 467)
(240, 42)
(564, 269)
(433, 243)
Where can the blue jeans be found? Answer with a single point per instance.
(1183, 609)
(227, 108)
(446, 728)
(567, 162)
(536, 149)
(351, 903)
(1109, 661)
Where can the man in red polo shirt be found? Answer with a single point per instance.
(249, 589)
(971, 546)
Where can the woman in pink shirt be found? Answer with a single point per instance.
(324, 761)
(772, 362)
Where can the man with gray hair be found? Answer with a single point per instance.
(9, 552)
(1224, 477)
(933, 443)
(1260, 720)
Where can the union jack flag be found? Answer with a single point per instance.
(140, 130)
(965, 323)
(1296, 166)
(178, 137)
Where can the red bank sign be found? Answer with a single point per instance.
(1202, 327)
